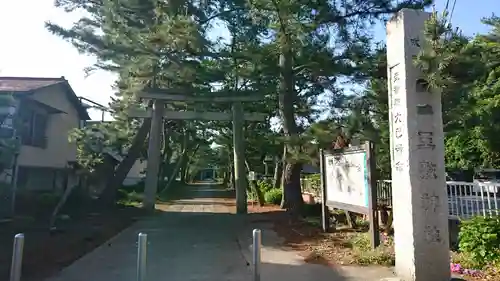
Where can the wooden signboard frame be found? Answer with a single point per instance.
(371, 190)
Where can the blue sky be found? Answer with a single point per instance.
(27, 49)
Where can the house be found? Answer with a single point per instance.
(42, 113)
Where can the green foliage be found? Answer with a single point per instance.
(9, 147)
(311, 210)
(264, 185)
(273, 196)
(48, 199)
(465, 72)
(363, 254)
(312, 183)
(131, 198)
(7, 100)
(479, 238)
(289, 52)
(464, 259)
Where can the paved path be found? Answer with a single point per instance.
(200, 238)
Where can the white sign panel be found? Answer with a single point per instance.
(251, 176)
(347, 179)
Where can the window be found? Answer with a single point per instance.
(33, 128)
(6, 129)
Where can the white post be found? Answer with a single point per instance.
(417, 158)
(17, 258)
(142, 252)
(256, 254)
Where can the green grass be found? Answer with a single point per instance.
(130, 198)
(363, 254)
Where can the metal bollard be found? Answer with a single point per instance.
(142, 245)
(257, 244)
(17, 258)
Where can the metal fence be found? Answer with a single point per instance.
(465, 199)
(311, 187)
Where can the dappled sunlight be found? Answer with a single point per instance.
(201, 198)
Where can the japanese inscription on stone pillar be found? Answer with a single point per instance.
(417, 148)
(398, 119)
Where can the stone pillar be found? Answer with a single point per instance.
(154, 155)
(417, 158)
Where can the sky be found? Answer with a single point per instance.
(28, 49)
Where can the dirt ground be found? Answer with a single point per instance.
(333, 249)
(46, 252)
(306, 237)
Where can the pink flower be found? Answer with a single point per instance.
(457, 268)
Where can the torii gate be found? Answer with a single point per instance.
(159, 96)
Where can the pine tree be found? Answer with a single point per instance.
(303, 38)
(143, 41)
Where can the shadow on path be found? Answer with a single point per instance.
(204, 241)
(201, 190)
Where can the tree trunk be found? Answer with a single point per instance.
(278, 174)
(100, 177)
(185, 163)
(62, 201)
(258, 192)
(174, 172)
(225, 179)
(230, 169)
(166, 154)
(292, 194)
(184, 158)
(122, 170)
(231, 177)
(249, 186)
(185, 169)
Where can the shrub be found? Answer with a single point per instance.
(311, 210)
(363, 254)
(264, 186)
(479, 238)
(273, 196)
(129, 198)
(251, 196)
(48, 199)
(463, 259)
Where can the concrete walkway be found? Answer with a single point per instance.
(200, 238)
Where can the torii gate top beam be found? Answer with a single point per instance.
(179, 95)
